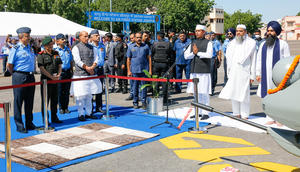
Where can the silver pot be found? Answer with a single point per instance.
(154, 105)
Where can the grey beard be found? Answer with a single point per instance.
(270, 40)
(239, 39)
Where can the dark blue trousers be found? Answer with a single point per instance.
(23, 94)
(136, 85)
(64, 90)
(179, 72)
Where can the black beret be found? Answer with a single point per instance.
(109, 35)
(60, 36)
(120, 35)
(23, 30)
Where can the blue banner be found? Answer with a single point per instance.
(124, 17)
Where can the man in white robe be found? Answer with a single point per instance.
(200, 51)
(85, 57)
(269, 53)
(241, 54)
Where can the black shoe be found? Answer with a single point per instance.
(22, 130)
(118, 90)
(177, 91)
(81, 118)
(144, 106)
(135, 106)
(61, 111)
(90, 116)
(67, 111)
(57, 121)
(125, 91)
(129, 98)
(30, 127)
(112, 90)
(204, 117)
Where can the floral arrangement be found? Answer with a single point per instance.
(286, 77)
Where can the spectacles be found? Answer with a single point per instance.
(229, 33)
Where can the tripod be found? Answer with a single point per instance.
(167, 74)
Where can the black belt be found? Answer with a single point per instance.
(65, 70)
(27, 73)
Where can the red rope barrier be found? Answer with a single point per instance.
(1, 105)
(20, 85)
(95, 77)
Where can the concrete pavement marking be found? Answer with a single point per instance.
(214, 155)
(271, 166)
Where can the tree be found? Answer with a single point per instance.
(298, 14)
(183, 15)
(252, 21)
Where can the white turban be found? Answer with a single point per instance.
(200, 27)
(241, 26)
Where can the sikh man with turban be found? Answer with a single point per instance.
(230, 34)
(241, 54)
(200, 51)
(269, 53)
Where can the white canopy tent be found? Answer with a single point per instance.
(40, 24)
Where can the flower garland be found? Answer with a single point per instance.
(286, 77)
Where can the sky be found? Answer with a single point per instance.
(270, 9)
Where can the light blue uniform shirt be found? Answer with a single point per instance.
(22, 57)
(100, 53)
(216, 47)
(179, 48)
(139, 57)
(225, 44)
(66, 56)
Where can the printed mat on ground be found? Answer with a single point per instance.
(50, 149)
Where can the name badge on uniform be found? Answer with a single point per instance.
(133, 50)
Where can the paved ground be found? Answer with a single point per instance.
(156, 156)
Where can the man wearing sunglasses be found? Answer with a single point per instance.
(230, 34)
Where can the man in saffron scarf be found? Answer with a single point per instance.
(269, 53)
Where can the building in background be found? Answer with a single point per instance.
(215, 21)
(290, 28)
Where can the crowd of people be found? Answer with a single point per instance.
(245, 59)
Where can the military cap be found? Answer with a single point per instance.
(95, 31)
(60, 36)
(109, 35)
(120, 35)
(46, 40)
(23, 30)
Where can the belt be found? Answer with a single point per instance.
(27, 73)
(65, 70)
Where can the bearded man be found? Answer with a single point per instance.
(241, 54)
(269, 53)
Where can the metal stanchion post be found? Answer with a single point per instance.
(107, 116)
(45, 99)
(7, 137)
(196, 129)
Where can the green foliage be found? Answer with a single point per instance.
(298, 14)
(252, 21)
(183, 15)
(153, 84)
(177, 14)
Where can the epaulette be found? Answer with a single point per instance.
(16, 46)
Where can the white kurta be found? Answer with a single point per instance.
(284, 52)
(84, 87)
(204, 85)
(240, 69)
